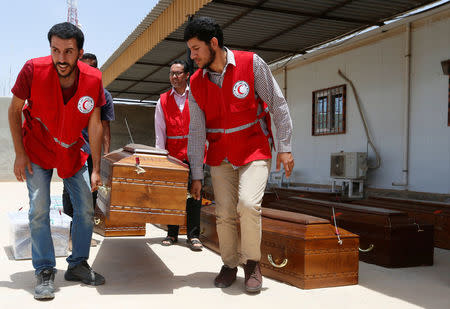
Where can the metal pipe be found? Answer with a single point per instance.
(407, 94)
(285, 82)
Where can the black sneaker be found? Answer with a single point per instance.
(45, 284)
(84, 273)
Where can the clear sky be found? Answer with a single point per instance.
(24, 25)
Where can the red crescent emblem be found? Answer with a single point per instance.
(239, 89)
(84, 104)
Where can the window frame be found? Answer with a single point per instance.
(330, 110)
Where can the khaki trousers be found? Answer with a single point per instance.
(238, 193)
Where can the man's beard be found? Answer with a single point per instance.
(64, 63)
(212, 56)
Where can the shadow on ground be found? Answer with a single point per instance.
(131, 267)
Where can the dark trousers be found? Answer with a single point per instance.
(67, 203)
(192, 220)
(192, 216)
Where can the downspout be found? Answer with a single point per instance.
(407, 94)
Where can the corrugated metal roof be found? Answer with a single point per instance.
(154, 13)
(273, 29)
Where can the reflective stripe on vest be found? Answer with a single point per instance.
(243, 127)
(178, 137)
(54, 138)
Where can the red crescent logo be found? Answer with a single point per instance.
(84, 104)
(239, 89)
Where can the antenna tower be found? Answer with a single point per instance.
(72, 12)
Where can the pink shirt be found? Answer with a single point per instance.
(160, 123)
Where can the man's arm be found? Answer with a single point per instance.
(106, 136)
(15, 125)
(268, 90)
(160, 127)
(196, 145)
(106, 116)
(95, 132)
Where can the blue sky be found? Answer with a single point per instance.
(24, 26)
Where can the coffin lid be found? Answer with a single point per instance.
(292, 217)
(139, 148)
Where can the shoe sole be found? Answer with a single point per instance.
(253, 290)
(222, 286)
(69, 277)
(44, 297)
(196, 248)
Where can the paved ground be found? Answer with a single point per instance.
(142, 273)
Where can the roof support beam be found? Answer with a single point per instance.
(302, 23)
(296, 13)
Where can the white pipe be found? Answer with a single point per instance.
(407, 89)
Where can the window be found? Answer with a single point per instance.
(328, 111)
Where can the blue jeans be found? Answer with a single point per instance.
(79, 188)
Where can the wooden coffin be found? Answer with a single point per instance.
(142, 184)
(297, 249)
(114, 226)
(435, 213)
(420, 211)
(387, 237)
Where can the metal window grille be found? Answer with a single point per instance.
(328, 116)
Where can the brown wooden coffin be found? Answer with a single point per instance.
(298, 249)
(387, 237)
(435, 213)
(142, 184)
(113, 226)
(420, 211)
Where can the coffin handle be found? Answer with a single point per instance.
(104, 189)
(284, 263)
(97, 221)
(368, 249)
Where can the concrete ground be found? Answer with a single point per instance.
(141, 273)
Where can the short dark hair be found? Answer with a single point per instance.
(183, 63)
(66, 31)
(204, 29)
(90, 56)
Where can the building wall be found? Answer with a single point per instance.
(140, 121)
(377, 71)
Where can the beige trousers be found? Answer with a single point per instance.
(238, 193)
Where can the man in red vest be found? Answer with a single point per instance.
(172, 129)
(63, 96)
(231, 95)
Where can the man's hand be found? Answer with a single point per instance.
(196, 189)
(21, 163)
(95, 181)
(288, 162)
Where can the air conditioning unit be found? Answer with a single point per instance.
(348, 165)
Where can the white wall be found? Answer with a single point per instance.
(377, 71)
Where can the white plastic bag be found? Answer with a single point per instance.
(20, 238)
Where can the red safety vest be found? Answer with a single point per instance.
(233, 115)
(177, 126)
(51, 129)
